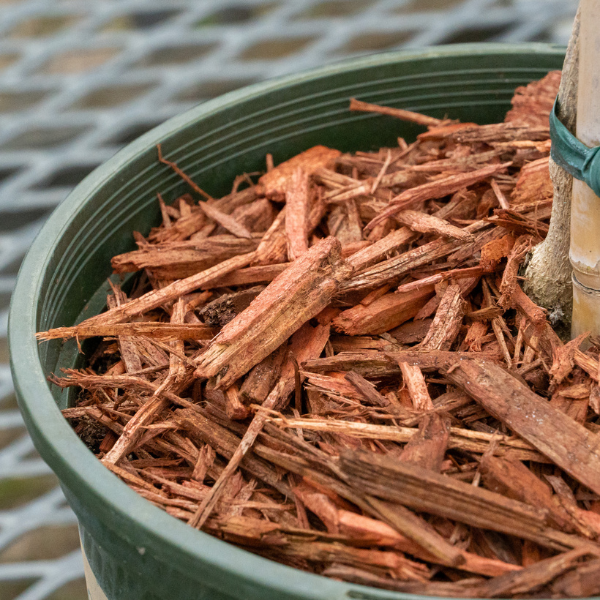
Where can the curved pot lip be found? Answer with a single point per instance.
(167, 537)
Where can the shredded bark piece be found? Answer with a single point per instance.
(564, 441)
(447, 321)
(297, 295)
(418, 221)
(436, 189)
(296, 221)
(405, 115)
(274, 184)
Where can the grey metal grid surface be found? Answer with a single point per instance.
(80, 78)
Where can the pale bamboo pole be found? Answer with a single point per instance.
(585, 209)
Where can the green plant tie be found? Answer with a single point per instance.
(572, 155)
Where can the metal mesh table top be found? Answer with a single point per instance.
(80, 79)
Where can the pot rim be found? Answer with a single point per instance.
(169, 539)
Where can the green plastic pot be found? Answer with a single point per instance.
(137, 551)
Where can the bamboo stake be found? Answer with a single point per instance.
(585, 210)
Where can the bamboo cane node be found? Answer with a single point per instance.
(584, 288)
